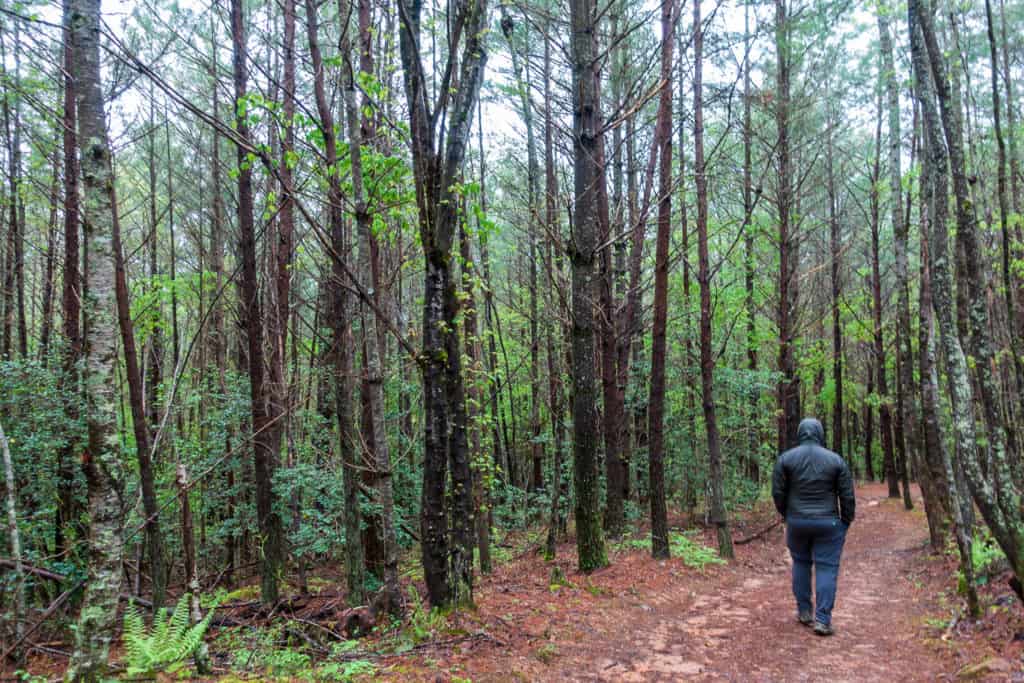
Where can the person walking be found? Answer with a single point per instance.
(812, 488)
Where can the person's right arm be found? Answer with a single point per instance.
(780, 487)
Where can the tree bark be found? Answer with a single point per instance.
(884, 413)
(188, 548)
(374, 376)
(707, 355)
(996, 494)
(340, 352)
(835, 244)
(268, 521)
(789, 383)
(15, 540)
(748, 241)
(553, 268)
(583, 257)
(1004, 204)
(67, 513)
(140, 425)
(101, 460)
(447, 565)
(906, 439)
(656, 403)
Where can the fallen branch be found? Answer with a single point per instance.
(7, 563)
(61, 599)
(759, 534)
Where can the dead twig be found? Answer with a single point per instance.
(759, 534)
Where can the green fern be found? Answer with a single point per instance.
(170, 642)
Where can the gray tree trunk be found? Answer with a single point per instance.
(102, 461)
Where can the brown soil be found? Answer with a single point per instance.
(647, 620)
(897, 617)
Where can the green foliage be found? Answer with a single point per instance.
(424, 622)
(693, 553)
(171, 640)
(340, 671)
(547, 652)
(986, 556)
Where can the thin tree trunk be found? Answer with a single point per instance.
(748, 240)
(67, 513)
(46, 327)
(789, 383)
(835, 244)
(18, 618)
(552, 268)
(904, 388)
(140, 426)
(268, 521)
(869, 429)
(372, 337)
(884, 414)
(188, 548)
(656, 414)
(341, 337)
(1004, 201)
(707, 355)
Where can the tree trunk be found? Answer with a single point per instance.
(869, 429)
(789, 383)
(906, 441)
(372, 336)
(1004, 202)
(656, 403)
(938, 488)
(46, 327)
(340, 352)
(101, 462)
(447, 566)
(188, 551)
(835, 244)
(268, 521)
(996, 494)
(552, 268)
(704, 274)
(748, 241)
(583, 245)
(18, 618)
(67, 514)
(884, 414)
(934, 200)
(140, 426)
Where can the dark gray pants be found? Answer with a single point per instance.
(817, 543)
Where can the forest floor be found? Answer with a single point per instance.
(897, 618)
(641, 619)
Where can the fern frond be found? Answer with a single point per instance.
(172, 639)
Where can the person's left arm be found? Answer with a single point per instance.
(847, 499)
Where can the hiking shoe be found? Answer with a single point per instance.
(822, 629)
(805, 618)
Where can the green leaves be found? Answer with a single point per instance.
(171, 640)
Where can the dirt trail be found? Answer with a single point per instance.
(647, 620)
(745, 629)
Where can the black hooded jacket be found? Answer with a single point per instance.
(812, 481)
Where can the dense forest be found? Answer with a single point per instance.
(306, 296)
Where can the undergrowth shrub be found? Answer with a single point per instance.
(166, 646)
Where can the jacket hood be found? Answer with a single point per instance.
(810, 429)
